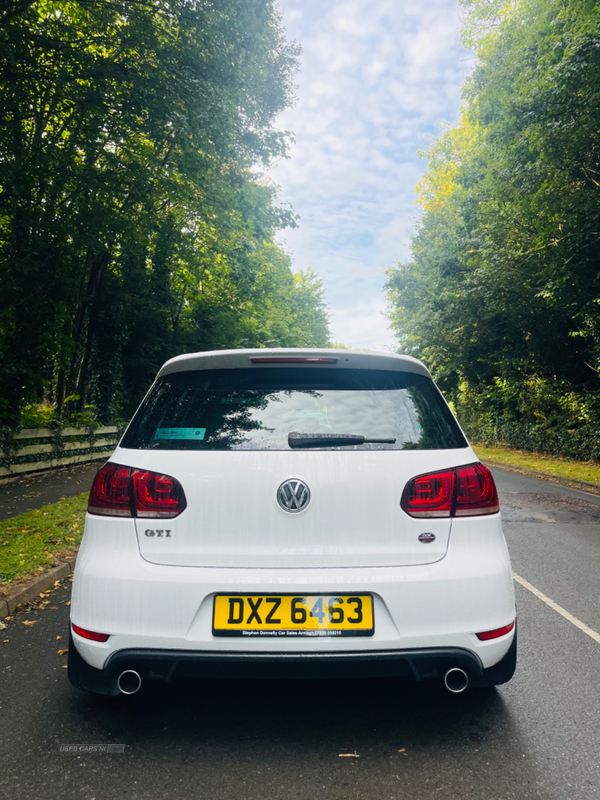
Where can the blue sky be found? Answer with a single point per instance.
(378, 78)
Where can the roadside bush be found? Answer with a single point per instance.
(581, 444)
(535, 414)
(43, 415)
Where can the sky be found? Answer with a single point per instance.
(378, 78)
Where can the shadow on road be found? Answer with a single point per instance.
(290, 714)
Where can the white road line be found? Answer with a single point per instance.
(559, 610)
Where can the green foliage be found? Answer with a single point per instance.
(37, 416)
(502, 297)
(534, 415)
(133, 222)
(42, 415)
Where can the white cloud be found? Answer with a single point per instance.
(293, 15)
(360, 325)
(377, 77)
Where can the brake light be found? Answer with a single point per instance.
(476, 491)
(110, 494)
(126, 492)
(460, 492)
(157, 495)
(495, 634)
(95, 637)
(429, 495)
(294, 360)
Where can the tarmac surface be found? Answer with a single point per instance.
(535, 737)
(40, 489)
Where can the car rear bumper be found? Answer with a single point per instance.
(421, 665)
(148, 608)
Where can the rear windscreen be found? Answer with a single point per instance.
(256, 409)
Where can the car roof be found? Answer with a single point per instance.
(344, 359)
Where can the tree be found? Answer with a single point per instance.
(131, 208)
(502, 296)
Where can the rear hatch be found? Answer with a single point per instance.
(258, 497)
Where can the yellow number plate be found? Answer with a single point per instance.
(293, 615)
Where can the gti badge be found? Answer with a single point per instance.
(427, 538)
(293, 495)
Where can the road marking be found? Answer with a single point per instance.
(559, 609)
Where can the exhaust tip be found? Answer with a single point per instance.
(129, 681)
(456, 680)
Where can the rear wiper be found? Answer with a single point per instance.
(331, 440)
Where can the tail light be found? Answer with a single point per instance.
(476, 491)
(110, 494)
(126, 492)
(460, 492)
(430, 495)
(157, 495)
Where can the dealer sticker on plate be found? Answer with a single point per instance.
(293, 615)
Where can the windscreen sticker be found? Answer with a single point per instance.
(238, 400)
(180, 433)
(320, 414)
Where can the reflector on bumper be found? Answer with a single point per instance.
(496, 633)
(95, 637)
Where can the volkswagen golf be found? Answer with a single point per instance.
(292, 513)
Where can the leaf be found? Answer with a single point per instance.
(58, 637)
(2, 626)
(68, 603)
(62, 652)
(5, 641)
(29, 622)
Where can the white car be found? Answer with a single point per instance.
(292, 513)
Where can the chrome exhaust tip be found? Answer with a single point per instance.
(456, 680)
(129, 681)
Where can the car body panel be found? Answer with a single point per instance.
(233, 517)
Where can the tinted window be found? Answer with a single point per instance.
(256, 409)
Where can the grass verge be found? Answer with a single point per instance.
(586, 471)
(33, 542)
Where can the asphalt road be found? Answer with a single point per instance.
(41, 489)
(536, 737)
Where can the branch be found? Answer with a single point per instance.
(19, 7)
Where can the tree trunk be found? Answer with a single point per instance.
(82, 327)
